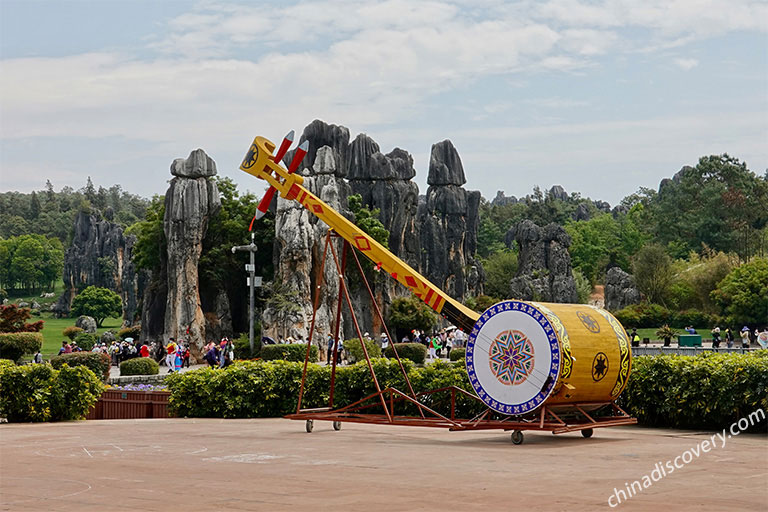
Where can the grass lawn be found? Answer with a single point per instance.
(52, 336)
(650, 333)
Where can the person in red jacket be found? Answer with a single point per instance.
(144, 351)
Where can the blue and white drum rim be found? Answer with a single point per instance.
(513, 357)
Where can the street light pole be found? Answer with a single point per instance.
(252, 283)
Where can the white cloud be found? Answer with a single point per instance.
(686, 64)
(221, 72)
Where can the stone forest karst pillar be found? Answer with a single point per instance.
(190, 201)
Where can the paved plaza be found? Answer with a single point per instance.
(274, 465)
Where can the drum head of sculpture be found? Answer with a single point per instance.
(513, 357)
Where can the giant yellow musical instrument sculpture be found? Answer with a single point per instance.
(536, 366)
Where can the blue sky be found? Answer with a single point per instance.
(599, 97)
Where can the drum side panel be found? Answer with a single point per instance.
(599, 348)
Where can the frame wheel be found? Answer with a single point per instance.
(587, 433)
(517, 437)
(310, 425)
(336, 425)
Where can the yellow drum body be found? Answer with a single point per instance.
(522, 355)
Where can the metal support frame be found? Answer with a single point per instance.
(379, 407)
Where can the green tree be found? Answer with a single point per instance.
(410, 313)
(652, 268)
(719, 203)
(100, 303)
(368, 220)
(743, 293)
(150, 237)
(34, 206)
(500, 268)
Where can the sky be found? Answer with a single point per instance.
(600, 97)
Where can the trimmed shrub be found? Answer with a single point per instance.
(458, 353)
(643, 315)
(288, 352)
(96, 361)
(354, 350)
(13, 345)
(38, 392)
(133, 331)
(704, 391)
(86, 340)
(243, 346)
(416, 352)
(139, 366)
(71, 332)
(693, 317)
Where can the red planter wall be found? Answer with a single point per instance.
(117, 404)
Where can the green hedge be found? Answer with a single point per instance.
(288, 352)
(133, 331)
(38, 392)
(416, 352)
(457, 353)
(72, 331)
(704, 391)
(86, 340)
(654, 315)
(249, 389)
(354, 350)
(98, 363)
(139, 366)
(13, 345)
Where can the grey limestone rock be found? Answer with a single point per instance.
(197, 165)
(544, 265)
(502, 200)
(100, 255)
(189, 204)
(86, 323)
(603, 206)
(445, 166)
(581, 212)
(620, 289)
(558, 192)
(436, 234)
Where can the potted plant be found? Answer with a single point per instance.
(665, 332)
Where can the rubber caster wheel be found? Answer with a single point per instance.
(517, 437)
(310, 425)
(587, 433)
(336, 425)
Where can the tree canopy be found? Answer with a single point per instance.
(100, 303)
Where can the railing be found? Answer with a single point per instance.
(687, 351)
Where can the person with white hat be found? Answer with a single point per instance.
(745, 337)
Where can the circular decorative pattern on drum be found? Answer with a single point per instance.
(599, 366)
(589, 322)
(513, 357)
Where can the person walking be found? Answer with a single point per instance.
(745, 337)
(211, 356)
(635, 338)
(170, 358)
(384, 342)
(728, 337)
(432, 348)
(330, 349)
(716, 337)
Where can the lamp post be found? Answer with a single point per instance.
(253, 282)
